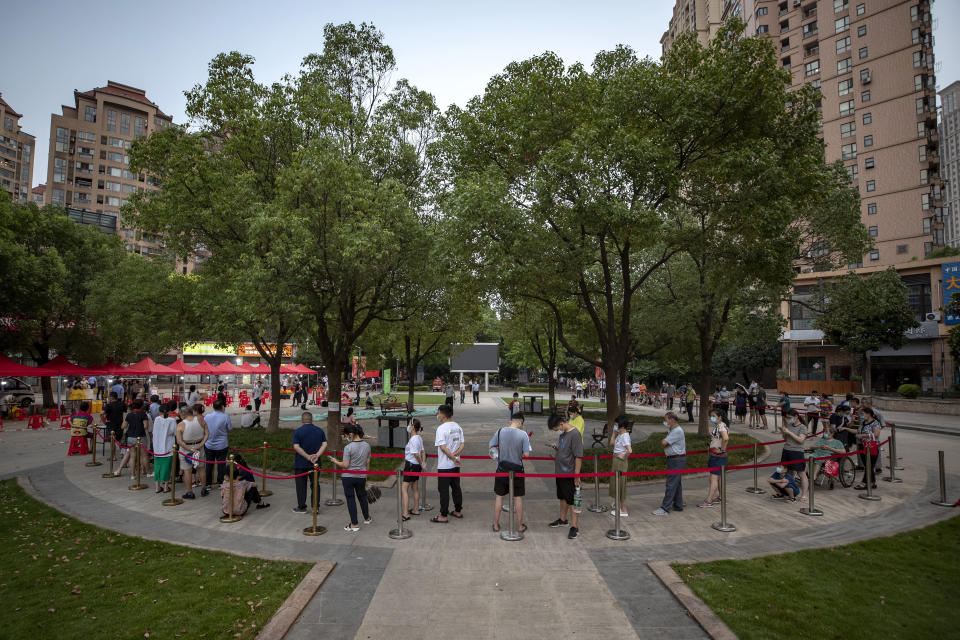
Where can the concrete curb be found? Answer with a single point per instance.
(704, 615)
(291, 609)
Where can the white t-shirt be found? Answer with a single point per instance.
(450, 435)
(621, 443)
(193, 398)
(811, 404)
(246, 418)
(413, 448)
(164, 435)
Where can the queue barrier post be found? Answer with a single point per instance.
(315, 530)
(596, 507)
(400, 533)
(869, 475)
(231, 516)
(173, 500)
(333, 500)
(617, 533)
(424, 505)
(893, 445)
(892, 451)
(810, 509)
(723, 525)
(942, 502)
(113, 455)
(263, 481)
(93, 462)
(513, 534)
(756, 486)
(136, 454)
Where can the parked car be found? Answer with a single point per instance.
(21, 391)
(437, 385)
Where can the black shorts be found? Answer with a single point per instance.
(409, 466)
(565, 490)
(501, 486)
(761, 409)
(790, 456)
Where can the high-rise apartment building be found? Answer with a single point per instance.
(950, 157)
(873, 62)
(702, 16)
(36, 194)
(88, 167)
(16, 154)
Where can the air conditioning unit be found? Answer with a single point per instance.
(866, 79)
(796, 3)
(934, 316)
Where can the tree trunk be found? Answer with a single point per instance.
(335, 368)
(551, 391)
(273, 423)
(612, 372)
(706, 381)
(866, 379)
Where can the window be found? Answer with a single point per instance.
(925, 201)
(873, 231)
(86, 136)
(762, 11)
(116, 172)
(844, 66)
(853, 171)
(868, 163)
(8, 124)
(786, 62)
(875, 254)
(812, 68)
(57, 197)
(872, 209)
(84, 167)
(139, 127)
(921, 130)
(865, 96)
(841, 25)
(921, 105)
(763, 29)
(867, 118)
(923, 153)
(914, 13)
(848, 151)
(112, 186)
(111, 120)
(927, 226)
(115, 142)
(809, 29)
(811, 368)
(846, 108)
(862, 30)
(845, 87)
(843, 45)
(128, 188)
(924, 176)
(848, 129)
(113, 201)
(871, 185)
(59, 170)
(816, 85)
(918, 82)
(901, 248)
(862, 52)
(90, 114)
(63, 140)
(915, 36)
(124, 124)
(784, 44)
(840, 5)
(861, 9)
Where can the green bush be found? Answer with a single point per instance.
(909, 390)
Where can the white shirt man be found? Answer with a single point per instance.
(449, 442)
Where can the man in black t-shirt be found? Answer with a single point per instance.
(845, 433)
(113, 415)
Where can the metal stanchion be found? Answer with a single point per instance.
(892, 450)
(315, 530)
(810, 509)
(173, 500)
(869, 476)
(333, 501)
(424, 505)
(113, 454)
(93, 462)
(942, 502)
(400, 533)
(136, 454)
(777, 416)
(231, 516)
(513, 534)
(596, 507)
(723, 525)
(263, 481)
(617, 533)
(756, 487)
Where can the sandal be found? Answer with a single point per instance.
(262, 505)
(454, 514)
(495, 528)
(523, 527)
(405, 518)
(438, 521)
(413, 513)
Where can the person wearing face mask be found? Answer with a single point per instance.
(622, 448)
(719, 436)
(783, 484)
(414, 458)
(794, 435)
(675, 449)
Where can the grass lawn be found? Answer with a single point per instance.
(282, 461)
(61, 578)
(902, 586)
(636, 417)
(652, 445)
(418, 398)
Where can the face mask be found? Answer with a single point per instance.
(780, 470)
(616, 428)
(410, 430)
(791, 421)
(666, 424)
(713, 419)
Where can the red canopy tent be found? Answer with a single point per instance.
(203, 368)
(9, 368)
(299, 368)
(181, 367)
(111, 368)
(261, 368)
(247, 368)
(288, 368)
(148, 367)
(60, 366)
(227, 368)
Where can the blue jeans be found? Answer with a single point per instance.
(673, 496)
(354, 489)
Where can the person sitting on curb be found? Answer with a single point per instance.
(783, 484)
(569, 457)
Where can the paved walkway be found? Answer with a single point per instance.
(459, 579)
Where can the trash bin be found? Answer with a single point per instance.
(533, 404)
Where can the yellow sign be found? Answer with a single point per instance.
(206, 349)
(248, 350)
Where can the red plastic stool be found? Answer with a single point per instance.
(18, 413)
(53, 415)
(35, 422)
(78, 446)
(65, 422)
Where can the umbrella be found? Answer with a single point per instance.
(148, 367)
(9, 368)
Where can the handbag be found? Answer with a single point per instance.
(831, 468)
(873, 447)
(373, 494)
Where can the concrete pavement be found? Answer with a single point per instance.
(459, 579)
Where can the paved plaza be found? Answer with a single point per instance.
(459, 580)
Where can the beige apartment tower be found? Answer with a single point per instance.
(873, 62)
(702, 16)
(88, 166)
(950, 147)
(16, 155)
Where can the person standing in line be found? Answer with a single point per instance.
(515, 405)
(449, 442)
(119, 389)
(101, 387)
(869, 432)
(675, 449)
(309, 443)
(476, 391)
(164, 435)
(671, 391)
(513, 445)
(463, 391)
(719, 437)
(568, 460)
(356, 457)
(795, 435)
(154, 409)
(113, 416)
(257, 394)
(219, 425)
(135, 425)
(448, 394)
(414, 459)
(812, 406)
(622, 448)
(192, 396)
(191, 436)
(576, 419)
(691, 397)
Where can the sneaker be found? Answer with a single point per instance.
(558, 523)
(352, 528)
(367, 520)
(624, 514)
(778, 496)
(299, 509)
(573, 533)
(705, 504)
(659, 512)
(205, 491)
(189, 495)
(677, 509)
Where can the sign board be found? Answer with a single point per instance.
(334, 407)
(926, 330)
(951, 285)
(248, 350)
(386, 380)
(206, 349)
(480, 357)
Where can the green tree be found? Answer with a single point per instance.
(532, 338)
(862, 314)
(49, 265)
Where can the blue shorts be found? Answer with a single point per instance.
(716, 461)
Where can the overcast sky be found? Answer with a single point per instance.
(447, 47)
